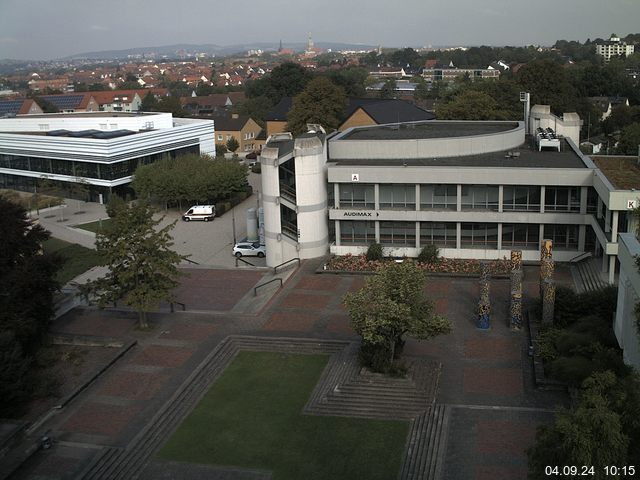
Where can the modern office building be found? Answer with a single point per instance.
(474, 189)
(100, 149)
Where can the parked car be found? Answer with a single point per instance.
(200, 212)
(248, 249)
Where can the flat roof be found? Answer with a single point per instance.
(428, 129)
(86, 114)
(622, 172)
(529, 157)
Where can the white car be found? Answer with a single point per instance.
(248, 249)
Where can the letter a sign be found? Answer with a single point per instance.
(355, 177)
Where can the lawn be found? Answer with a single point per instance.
(94, 226)
(77, 259)
(252, 417)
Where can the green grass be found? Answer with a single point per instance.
(252, 417)
(77, 259)
(94, 226)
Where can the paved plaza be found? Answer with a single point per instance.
(489, 403)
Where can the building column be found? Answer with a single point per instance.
(541, 235)
(605, 262)
(584, 192)
(607, 221)
(418, 235)
(612, 269)
(336, 195)
(459, 199)
(614, 226)
(458, 235)
(500, 201)
(377, 231)
(542, 195)
(599, 209)
(337, 230)
(500, 225)
(582, 236)
(417, 197)
(376, 201)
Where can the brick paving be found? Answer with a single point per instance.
(486, 375)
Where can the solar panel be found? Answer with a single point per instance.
(65, 102)
(113, 134)
(84, 133)
(10, 106)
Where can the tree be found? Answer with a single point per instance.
(389, 88)
(470, 105)
(390, 305)
(548, 84)
(171, 105)
(590, 434)
(320, 102)
(27, 277)
(142, 267)
(149, 103)
(629, 140)
(286, 80)
(232, 144)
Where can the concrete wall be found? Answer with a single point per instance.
(85, 121)
(567, 126)
(311, 197)
(628, 295)
(429, 147)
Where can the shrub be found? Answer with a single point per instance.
(375, 252)
(428, 254)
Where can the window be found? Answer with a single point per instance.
(562, 199)
(479, 235)
(43, 126)
(439, 234)
(520, 235)
(438, 197)
(398, 196)
(564, 237)
(480, 197)
(356, 196)
(113, 126)
(229, 137)
(401, 234)
(521, 198)
(357, 233)
(220, 137)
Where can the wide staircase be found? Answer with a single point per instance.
(586, 273)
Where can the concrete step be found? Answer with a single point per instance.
(426, 446)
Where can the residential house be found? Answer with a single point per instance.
(243, 128)
(211, 104)
(73, 102)
(607, 104)
(118, 101)
(19, 106)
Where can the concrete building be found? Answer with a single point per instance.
(614, 47)
(103, 149)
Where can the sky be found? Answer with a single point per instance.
(49, 29)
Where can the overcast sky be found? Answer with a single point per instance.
(47, 29)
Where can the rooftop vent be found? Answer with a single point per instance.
(547, 138)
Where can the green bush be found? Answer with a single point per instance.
(571, 306)
(571, 370)
(428, 254)
(375, 252)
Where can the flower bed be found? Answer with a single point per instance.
(359, 263)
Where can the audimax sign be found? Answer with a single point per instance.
(357, 213)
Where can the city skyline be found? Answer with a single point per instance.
(41, 30)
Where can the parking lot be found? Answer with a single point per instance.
(206, 243)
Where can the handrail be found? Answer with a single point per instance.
(255, 289)
(191, 261)
(243, 261)
(580, 257)
(275, 269)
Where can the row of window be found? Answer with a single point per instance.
(444, 234)
(474, 197)
(74, 168)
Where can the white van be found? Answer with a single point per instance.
(200, 212)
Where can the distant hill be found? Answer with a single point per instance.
(173, 51)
